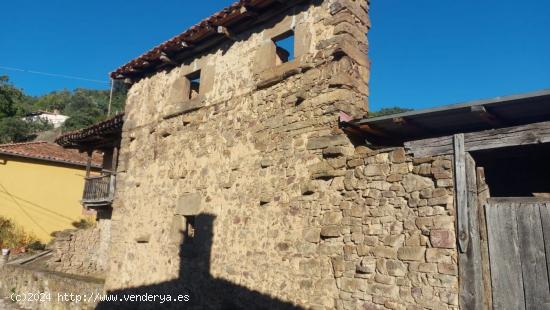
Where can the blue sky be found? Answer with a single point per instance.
(424, 53)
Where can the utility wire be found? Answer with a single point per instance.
(23, 209)
(54, 75)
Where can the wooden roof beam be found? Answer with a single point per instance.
(226, 32)
(246, 10)
(373, 131)
(413, 126)
(487, 116)
(166, 59)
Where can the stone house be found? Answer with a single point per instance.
(54, 118)
(248, 178)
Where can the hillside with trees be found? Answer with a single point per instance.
(83, 106)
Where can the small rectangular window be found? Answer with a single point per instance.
(284, 45)
(189, 233)
(195, 84)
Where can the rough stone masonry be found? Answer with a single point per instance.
(250, 188)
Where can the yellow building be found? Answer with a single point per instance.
(41, 186)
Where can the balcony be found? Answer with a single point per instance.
(98, 190)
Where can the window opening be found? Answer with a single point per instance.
(284, 47)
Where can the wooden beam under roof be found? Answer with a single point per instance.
(487, 116)
(482, 140)
(411, 125)
(226, 32)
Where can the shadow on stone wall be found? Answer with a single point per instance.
(203, 290)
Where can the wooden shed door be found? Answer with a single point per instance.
(519, 252)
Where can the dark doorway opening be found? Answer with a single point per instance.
(519, 171)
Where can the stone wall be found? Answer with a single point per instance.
(386, 221)
(82, 251)
(46, 290)
(285, 209)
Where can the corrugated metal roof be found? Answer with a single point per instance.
(463, 117)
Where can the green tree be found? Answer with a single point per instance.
(15, 129)
(56, 100)
(84, 107)
(10, 98)
(388, 111)
(84, 110)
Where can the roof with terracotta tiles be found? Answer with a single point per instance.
(99, 133)
(238, 17)
(48, 152)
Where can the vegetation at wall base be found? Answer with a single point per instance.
(13, 236)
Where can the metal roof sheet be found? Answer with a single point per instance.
(462, 117)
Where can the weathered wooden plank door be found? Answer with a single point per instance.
(519, 239)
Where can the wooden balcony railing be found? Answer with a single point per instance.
(99, 190)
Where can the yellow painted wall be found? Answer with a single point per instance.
(41, 197)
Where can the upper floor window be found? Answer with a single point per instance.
(284, 47)
(194, 84)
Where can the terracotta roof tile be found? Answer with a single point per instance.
(108, 129)
(48, 152)
(205, 30)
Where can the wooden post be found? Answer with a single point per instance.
(483, 195)
(114, 159)
(89, 162)
(461, 192)
(469, 257)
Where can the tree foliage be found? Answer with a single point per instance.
(388, 111)
(10, 98)
(15, 129)
(83, 106)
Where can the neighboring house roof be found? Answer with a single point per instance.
(463, 117)
(103, 133)
(239, 16)
(50, 152)
(40, 112)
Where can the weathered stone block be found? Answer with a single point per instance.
(383, 290)
(413, 183)
(435, 255)
(189, 204)
(427, 267)
(442, 239)
(352, 163)
(445, 268)
(398, 156)
(326, 141)
(323, 170)
(363, 250)
(367, 265)
(411, 253)
(264, 56)
(445, 183)
(396, 268)
(385, 252)
(302, 37)
(312, 235)
(332, 218)
(331, 231)
(377, 169)
(335, 151)
(184, 106)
